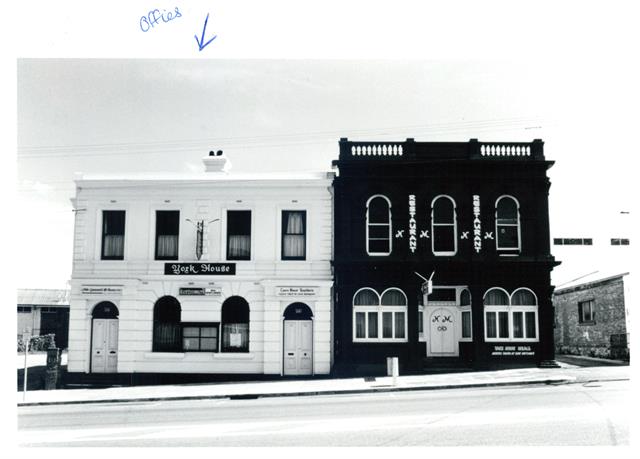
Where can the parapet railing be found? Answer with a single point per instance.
(409, 149)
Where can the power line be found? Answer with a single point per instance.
(132, 149)
(190, 144)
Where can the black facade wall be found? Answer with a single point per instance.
(457, 174)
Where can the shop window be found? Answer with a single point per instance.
(511, 318)
(587, 312)
(238, 235)
(443, 226)
(507, 224)
(379, 318)
(167, 229)
(294, 230)
(166, 325)
(235, 325)
(200, 337)
(113, 234)
(378, 226)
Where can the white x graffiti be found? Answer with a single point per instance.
(399, 234)
(488, 235)
(424, 234)
(464, 235)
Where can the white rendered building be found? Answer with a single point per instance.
(205, 274)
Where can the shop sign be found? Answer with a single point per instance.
(100, 290)
(296, 291)
(189, 269)
(413, 242)
(200, 291)
(477, 228)
(517, 351)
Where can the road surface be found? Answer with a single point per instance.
(594, 413)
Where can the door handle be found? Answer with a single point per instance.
(97, 352)
(290, 353)
(112, 352)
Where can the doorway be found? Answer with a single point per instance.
(104, 338)
(298, 340)
(442, 333)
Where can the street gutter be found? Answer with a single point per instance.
(373, 389)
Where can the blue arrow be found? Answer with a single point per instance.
(200, 42)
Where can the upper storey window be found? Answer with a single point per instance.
(238, 235)
(294, 226)
(507, 224)
(378, 225)
(167, 229)
(113, 234)
(443, 226)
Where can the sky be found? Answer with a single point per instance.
(538, 76)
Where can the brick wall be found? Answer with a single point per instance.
(591, 339)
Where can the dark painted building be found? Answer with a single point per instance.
(472, 217)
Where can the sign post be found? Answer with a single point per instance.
(26, 339)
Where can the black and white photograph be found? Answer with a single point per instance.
(291, 224)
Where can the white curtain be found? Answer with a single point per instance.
(167, 246)
(294, 243)
(239, 246)
(113, 245)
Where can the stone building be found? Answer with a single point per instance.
(592, 318)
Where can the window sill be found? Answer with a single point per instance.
(164, 355)
(380, 341)
(507, 340)
(233, 356)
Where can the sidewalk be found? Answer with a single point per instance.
(565, 375)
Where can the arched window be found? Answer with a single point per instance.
(524, 314)
(166, 325)
(511, 318)
(235, 325)
(379, 318)
(444, 240)
(507, 224)
(378, 225)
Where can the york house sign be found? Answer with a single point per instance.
(191, 269)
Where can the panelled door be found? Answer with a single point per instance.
(104, 347)
(442, 332)
(298, 347)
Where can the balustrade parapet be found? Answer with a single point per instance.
(410, 149)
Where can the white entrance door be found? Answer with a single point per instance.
(442, 332)
(298, 343)
(104, 347)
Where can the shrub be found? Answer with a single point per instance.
(38, 343)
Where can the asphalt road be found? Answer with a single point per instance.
(573, 414)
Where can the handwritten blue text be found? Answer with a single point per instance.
(154, 17)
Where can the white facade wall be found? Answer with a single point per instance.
(137, 282)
